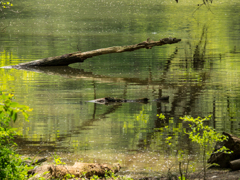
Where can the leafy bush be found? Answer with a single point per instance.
(205, 137)
(11, 166)
(199, 133)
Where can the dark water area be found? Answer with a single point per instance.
(200, 74)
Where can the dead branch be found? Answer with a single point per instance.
(76, 57)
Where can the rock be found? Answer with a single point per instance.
(235, 165)
(223, 159)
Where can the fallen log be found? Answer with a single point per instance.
(84, 170)
(40, 172)
(224, 159)
(76, 57)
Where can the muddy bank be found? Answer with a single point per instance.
(216, 174)
(91, 169)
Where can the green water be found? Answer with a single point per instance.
(200, 74)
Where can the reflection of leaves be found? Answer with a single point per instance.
(161, 116)
(142, 116)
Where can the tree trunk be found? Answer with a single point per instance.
(75, 57)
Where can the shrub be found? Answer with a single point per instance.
(11, 166)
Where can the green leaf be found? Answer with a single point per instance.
(14, 116)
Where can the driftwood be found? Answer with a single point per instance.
(76, 57)
(227, 160)
(112, 100)
(78, 170)
(40, 171)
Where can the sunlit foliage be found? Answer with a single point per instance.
(11, 165)
(198, 132)
(205, 137)
(5, 5)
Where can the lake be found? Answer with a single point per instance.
(200, 74)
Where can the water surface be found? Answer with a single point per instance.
(200, 74)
